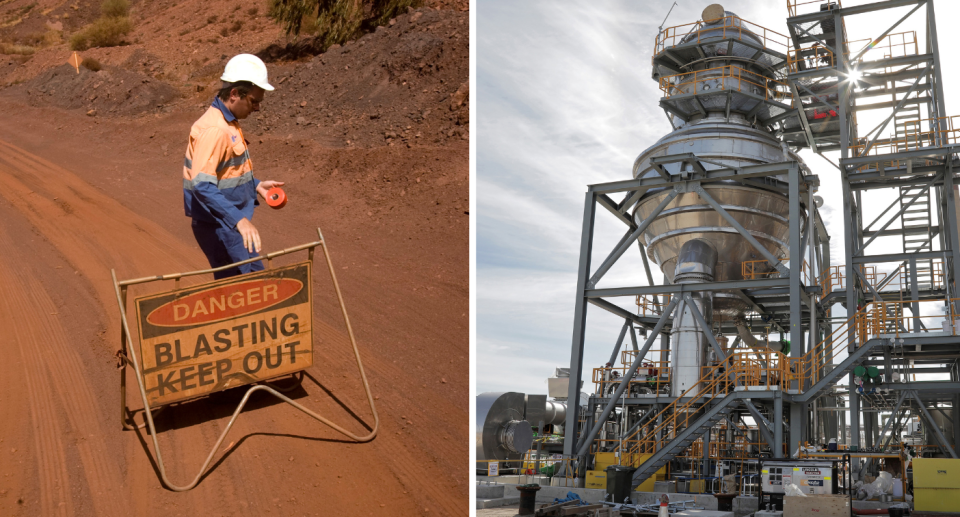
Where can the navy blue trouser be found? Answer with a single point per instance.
(224, 246)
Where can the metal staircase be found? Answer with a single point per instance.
(713, 412)
(839, 370)
(717, 395)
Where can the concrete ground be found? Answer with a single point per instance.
(506, 511)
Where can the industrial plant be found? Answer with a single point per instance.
(755, 373)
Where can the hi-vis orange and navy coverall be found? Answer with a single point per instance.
(219, 189)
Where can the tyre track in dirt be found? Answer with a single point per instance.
(50, 460)
(97, 230)
(409, 466)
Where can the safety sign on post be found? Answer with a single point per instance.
(225, 333)
(74, 61)
(493, 468)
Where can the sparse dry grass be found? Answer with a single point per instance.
(43, 39)
(336, 21)
(106, 31)
(18, 50)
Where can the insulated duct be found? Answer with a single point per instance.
(696, 264)
(505, 423)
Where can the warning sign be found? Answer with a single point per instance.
(225, 333)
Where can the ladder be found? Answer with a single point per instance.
(906, 127)
(916, 233)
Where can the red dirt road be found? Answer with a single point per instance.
(79, 197)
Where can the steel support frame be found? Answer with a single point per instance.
(588, 294)
(855, 182)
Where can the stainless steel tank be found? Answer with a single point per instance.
(725, 138)
(762, 212)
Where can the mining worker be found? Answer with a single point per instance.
(219, 190)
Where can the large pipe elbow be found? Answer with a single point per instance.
(746, 336)
(697, 262)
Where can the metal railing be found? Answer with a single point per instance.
(753, 269)
(724, 78)
(897, 280)
(558, 470)
(774, 370)
(652, 374)
(794, 6)
(809, 58)
(899, 44)
(941, 131)
(731, 27)
(652, 305)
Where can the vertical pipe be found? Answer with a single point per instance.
(797, 409)
(796, 265)
(811, 212)
(950, 228)
(536, 465)
(914, 294)
(579, 325)
(705, 469)
(778, 424)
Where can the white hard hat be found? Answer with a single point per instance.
(246, 67)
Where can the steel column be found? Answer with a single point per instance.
(778, 424)
(579, 325)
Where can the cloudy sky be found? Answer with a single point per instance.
(565, 99)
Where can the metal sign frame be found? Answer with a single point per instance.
(127, 355)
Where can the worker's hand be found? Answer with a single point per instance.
(264, 186)
(251, 237)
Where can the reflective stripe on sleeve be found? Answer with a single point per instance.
(236, 161)
(246, 177)
(201, 177)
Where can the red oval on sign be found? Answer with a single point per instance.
(224, 302)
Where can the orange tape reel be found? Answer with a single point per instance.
(276, 198)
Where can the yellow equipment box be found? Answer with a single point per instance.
(596, 479)
(936, 484)
(605, 459)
